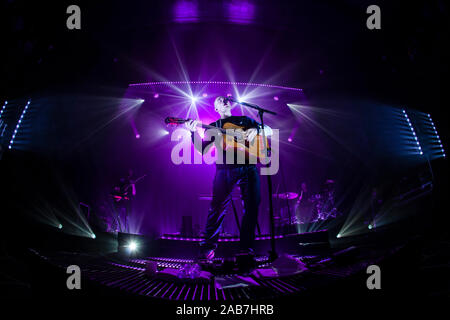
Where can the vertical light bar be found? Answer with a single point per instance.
(419, 148)
(436, 136)
(11, 142)
(3, 108)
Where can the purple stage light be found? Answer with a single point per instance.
(135, 131)
(276, 98)
(240, 11)
(205, 95)
(185, 11)
(291, 136)
(156, 95)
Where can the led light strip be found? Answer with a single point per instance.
(213, 82)
(175, 237)
(436, 135)
(419, 148)
(3, 109)
(18, 125)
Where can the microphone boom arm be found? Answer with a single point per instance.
(251, 105)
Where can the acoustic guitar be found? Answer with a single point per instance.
(233, 137)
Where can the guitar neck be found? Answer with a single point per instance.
(235, 133)
(222, 130)
(138, 179)
(207, 126)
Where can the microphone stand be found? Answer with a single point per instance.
(272, 253)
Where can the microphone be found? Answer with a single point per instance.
(229, 99)
(250, 105)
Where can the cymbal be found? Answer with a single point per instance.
(286, 195)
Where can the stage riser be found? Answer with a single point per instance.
(300, 243)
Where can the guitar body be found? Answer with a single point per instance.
(123, 192)
(118, 198)
(254, 149)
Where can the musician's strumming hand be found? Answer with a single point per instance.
(191, 125)
(250, 134)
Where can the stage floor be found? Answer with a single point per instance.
(118, 275)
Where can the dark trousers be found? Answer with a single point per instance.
(226, 178)
(122, 210)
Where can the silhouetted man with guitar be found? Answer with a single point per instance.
(122, 195)
(230, 174)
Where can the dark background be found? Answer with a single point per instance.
(323, 47)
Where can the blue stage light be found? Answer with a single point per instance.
(19, 122)
(3, 109)
(418, 147)
(436, 138)
(133, 246)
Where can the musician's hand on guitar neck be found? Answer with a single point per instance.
(250, 134)
(191, 125)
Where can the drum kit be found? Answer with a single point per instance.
(317, 207)
(286, 218)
